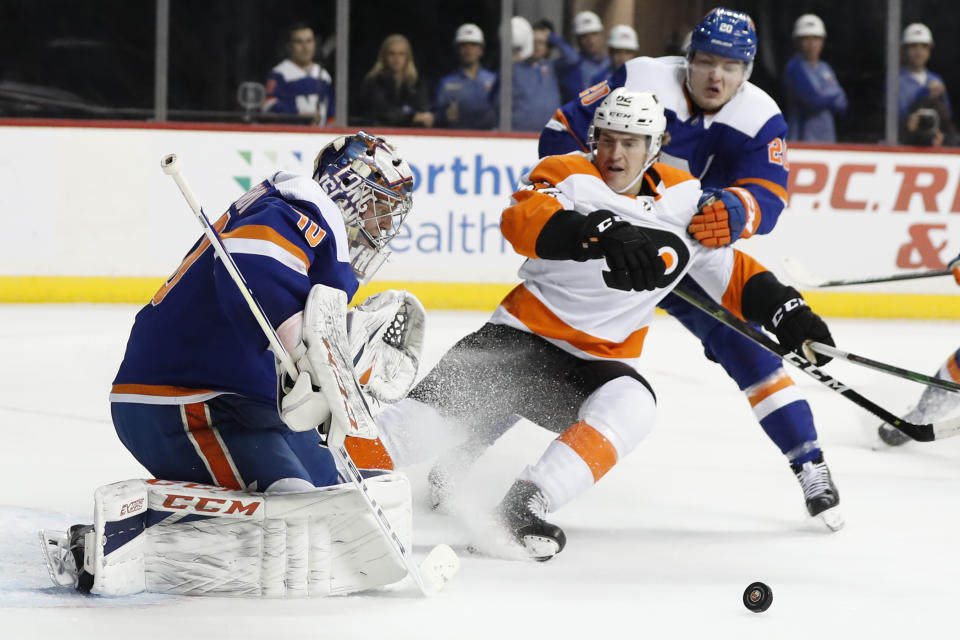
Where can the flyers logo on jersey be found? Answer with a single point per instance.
(674, 253)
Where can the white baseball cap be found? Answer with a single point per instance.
(623, 37)
(809, 25)
(917, 33)
(468, 32)
(586, 22)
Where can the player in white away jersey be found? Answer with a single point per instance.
(933, 403)
(605, 236)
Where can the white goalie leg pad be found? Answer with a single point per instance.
(192, 539)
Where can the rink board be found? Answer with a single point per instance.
(89, 216)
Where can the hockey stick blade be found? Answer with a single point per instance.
(806, 280)
(920, 432)
(906, 374)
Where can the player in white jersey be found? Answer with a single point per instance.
(605, 234)
(933, 403)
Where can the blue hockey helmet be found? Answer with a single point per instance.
(373, 186)
(727, 33)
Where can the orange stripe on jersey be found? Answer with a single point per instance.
(528, 309)
(744, 268)
(772, 187)
(753, 210)
(953, 369)
(671, 176)
(555, 169)
(157, 390)
(368, 454)
(522, 222)
(263, 232)
(208, 446)
(562, 119)
(763, 392)
(591, 445)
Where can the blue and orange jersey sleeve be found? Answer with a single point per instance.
(567, 130)
(760, 174)
(275, 245)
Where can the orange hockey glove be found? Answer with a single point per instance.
(720, 220)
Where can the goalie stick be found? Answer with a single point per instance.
(442, 562)
(806, 280)
(929, 381)
(920, 432)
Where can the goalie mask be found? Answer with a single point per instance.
(633, 112)
(372, 185)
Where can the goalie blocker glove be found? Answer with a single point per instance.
(783, 311)
(635, 264)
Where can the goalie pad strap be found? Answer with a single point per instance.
(187, 538)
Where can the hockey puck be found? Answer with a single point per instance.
(757, 597)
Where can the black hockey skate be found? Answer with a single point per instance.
(522, 511)
(892, 436)
(821, 495)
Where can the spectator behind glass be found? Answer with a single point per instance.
(464, 98)
(536, 93)
(921, 89)
(624, 45)
(392, 91)
(551, 48)
(813, 93)
(593, 53)
(298, 84)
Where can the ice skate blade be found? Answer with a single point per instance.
(56, 555)
(832, 518)
(540, 548)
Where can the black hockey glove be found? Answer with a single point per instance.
(793, 322)
(633, 259)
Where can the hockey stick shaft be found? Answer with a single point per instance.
(891, 278)
(171, 166)
(920, 432)
(930, 381)
(803, 277)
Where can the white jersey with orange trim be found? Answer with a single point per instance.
(567, 302)
(741, 145)
(197, 339)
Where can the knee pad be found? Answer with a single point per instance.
(623, 410)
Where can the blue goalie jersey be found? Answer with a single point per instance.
(741, 145)
(197, 338)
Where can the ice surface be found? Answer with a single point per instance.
(662, 547)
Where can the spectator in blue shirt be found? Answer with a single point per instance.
(593, 53)
(464, 98)
(536, 92)
(813, 94)
(298, 85)
(623, 45)
(916, 81)
(550, 47)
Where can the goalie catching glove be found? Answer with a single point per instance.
(383, 337)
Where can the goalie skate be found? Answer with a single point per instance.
(522, 511)
(63, 553)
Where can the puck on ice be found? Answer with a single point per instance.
(757, 597)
